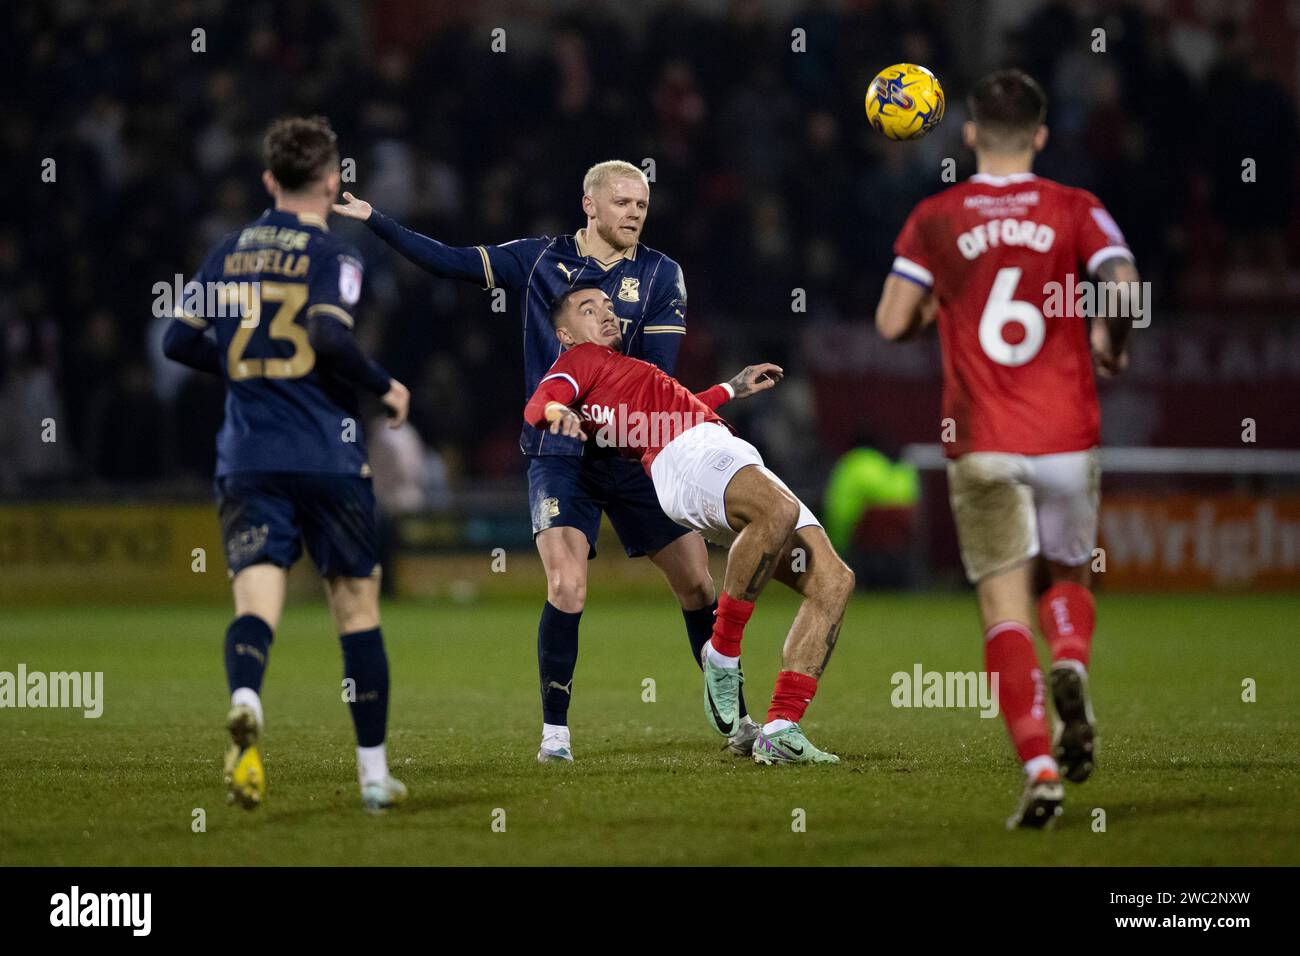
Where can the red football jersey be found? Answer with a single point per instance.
(989, 248)
(632, 405)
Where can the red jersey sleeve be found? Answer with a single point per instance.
(559, 384)
(717, 396)
(1097, 237)
(912, 259)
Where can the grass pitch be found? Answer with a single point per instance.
(1188, 772)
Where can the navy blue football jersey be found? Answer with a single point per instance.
(283, 414)
(647, 288)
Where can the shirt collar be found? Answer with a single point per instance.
(300, 218)
(990, 180)
(578, 240)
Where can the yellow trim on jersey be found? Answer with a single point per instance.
(629, 254)
(487, 268)
(652, 329)
(311, 219)
(191, 320)
(334, 310)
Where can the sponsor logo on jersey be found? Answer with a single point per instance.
(997, 204)
(568, 273)
(281, 237)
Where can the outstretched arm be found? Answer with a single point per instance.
(449, 262)
(750, 380)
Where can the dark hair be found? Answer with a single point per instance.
(299, 150)
(558, 307)
(1007, 106)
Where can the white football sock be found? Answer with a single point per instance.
(774, 726)
(372, 764)
(556, 732)
(721, 660)
(250, 697)
(1038, 764)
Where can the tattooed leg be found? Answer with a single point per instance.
(766, 514)
(811, 567)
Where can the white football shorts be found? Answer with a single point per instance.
(1009, 508)
(691, 475)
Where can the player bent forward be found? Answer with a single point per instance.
(710, 480)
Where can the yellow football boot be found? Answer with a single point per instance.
(244, 775)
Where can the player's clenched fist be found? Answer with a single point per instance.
(398, 402)
(1104, 359)
(353, 208)
(565, 421)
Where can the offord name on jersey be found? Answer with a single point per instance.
(980, 239)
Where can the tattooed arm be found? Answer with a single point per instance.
(1109, 333)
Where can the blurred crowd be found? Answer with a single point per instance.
(766, 179)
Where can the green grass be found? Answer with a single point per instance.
(1189, 774)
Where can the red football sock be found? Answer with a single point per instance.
(794, 692)
(729, 624)
(1068, 615)
(1009, 653)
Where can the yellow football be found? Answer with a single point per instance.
(904, 101)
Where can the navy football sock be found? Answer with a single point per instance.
(248, 645)
(699, 628)
(366, 664)
(557, 655)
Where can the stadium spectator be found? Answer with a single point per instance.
(757, 171)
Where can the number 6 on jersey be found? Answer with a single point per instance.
(1002, 310)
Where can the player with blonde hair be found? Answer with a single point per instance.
(568, 489)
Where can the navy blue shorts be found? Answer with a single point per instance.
(266, 518)
(568, 491)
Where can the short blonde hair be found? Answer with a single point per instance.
(600, 175)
